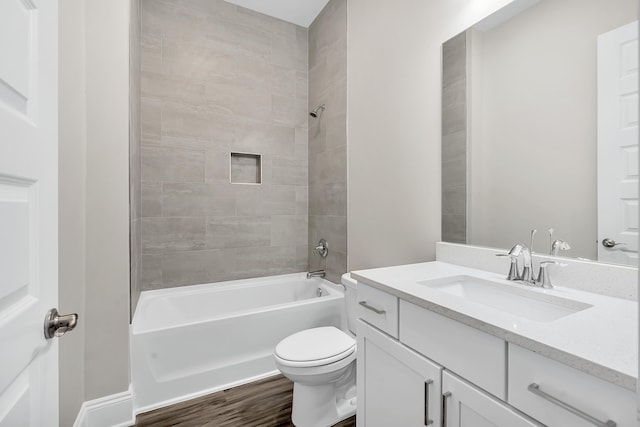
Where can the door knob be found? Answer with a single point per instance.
(56, 325)
(610, 243)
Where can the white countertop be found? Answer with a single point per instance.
(601, 340)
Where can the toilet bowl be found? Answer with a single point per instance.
(321, 362)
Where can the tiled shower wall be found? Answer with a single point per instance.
(454, 139)
(217, 79)
(134, 153)
(328, 138)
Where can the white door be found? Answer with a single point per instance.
(618, 145)
(28, 211)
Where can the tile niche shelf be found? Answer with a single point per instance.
(245, 168)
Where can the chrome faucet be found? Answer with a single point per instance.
(316, 273)
(526, 275)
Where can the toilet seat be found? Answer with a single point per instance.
(315, 347)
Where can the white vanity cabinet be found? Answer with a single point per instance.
(420, 368)
(467, 406)
(396, 385)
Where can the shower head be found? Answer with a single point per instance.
(317, 111)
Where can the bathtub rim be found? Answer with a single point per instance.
(334, 292)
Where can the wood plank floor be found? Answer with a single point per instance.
(264, 403)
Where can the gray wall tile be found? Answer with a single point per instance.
(200, 125)
(136, 204)
(454, 228)
(328, 199)
(151, 272)
(454, 173)
(327, 138)
(151, 51)
(189, 268)
(454, 139)
(454, 107)
(289, 230)
(454, 59)
(151, 194)
(151, 114)
(454, 146)
(161, 164)
(238, 232)
(253, 262)
(217, 165)
(160, 86)
(194, 199)
(163, 235)
(289, 171)
(283, 80)
(216, 79)
(251, 199)
(454, 201)
(199, 60)
(283, 200)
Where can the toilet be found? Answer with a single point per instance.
(321, 362)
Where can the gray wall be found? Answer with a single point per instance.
(72, 203)
(394, 127)
(107, 198)
(454, 139)
(217, 78)
(328, 138)
(94, 200)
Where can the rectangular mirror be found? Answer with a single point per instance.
(540, 130)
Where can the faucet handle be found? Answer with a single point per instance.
(322, 248)
(514, 273)
(543, 276)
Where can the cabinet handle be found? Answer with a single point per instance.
(445, 396)
(427, 421)
(369, 307)
(535, 389)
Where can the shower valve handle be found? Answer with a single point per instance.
(322, 248)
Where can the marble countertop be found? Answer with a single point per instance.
(601, 340)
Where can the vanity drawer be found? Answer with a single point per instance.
(475, 355)
(378, 308)
(592, 396)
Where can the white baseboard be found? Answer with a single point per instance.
(115, 410)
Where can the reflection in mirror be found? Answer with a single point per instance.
(540, 129)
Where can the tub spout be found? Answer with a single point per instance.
(316, 273)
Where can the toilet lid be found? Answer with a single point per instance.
(317, 346)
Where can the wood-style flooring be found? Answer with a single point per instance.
(264, 403)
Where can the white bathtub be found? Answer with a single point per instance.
(194, 340)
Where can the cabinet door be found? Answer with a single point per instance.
(467, 406)
(396, 386)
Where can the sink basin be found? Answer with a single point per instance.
(519, 301)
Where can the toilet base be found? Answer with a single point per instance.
(324, 405)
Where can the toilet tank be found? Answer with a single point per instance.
(351, 301)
